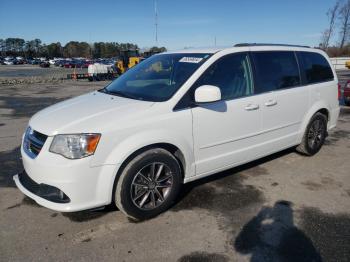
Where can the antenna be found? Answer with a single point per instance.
(156, 20)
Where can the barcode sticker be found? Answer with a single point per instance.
(187, 59)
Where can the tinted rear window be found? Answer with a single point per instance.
(315, 67)
(276, 70)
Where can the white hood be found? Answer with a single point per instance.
(86, 113)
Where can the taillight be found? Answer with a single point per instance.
(339, 90)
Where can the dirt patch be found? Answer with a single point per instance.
(313, 186)
(25, 106)
(348, 192)
(14, 206)
(337, 135)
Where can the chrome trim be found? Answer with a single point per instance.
(30, 140)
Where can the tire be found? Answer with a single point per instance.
(141, 195)
(313, 141)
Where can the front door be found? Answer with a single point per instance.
(226, 132)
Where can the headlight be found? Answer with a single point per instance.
(75, 146)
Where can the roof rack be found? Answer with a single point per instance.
(260, 44)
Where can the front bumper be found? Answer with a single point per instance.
(48, 176)
(44, 191)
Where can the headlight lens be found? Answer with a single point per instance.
(75, 146)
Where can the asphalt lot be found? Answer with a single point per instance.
(285, 207)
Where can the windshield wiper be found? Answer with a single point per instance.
(119, 93)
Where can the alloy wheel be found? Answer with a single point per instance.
(316, 133)
(151, 186)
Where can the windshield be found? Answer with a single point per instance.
(156, 78)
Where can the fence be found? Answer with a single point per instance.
(339, 62)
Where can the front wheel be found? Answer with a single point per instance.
(149, 184)
(315, 135)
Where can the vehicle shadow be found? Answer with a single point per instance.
(87, 215)
(199, 193)
(272, 236)
(229, 182)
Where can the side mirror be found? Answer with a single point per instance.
(207, 94)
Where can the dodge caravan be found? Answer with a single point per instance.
(174, 118)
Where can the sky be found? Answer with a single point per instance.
(181, 23)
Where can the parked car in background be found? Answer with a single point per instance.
(70, 64)
(346, 93)
(44, 64)
(175, 118)
(86, 63)
(34, 61)
(60, 63)
(9, 62)
(20, 62)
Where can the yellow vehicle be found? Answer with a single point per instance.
(347, 64)
(128, 59)
(132, 61)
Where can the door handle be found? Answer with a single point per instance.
(251, 107)
(271, 103)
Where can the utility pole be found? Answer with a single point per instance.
(156, 20)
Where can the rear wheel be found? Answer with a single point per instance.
(148, 185)
(314, 136)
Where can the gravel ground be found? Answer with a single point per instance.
(284, 207)
(19, 74)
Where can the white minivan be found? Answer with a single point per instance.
(174, 118)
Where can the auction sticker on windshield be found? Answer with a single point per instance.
(187, 59)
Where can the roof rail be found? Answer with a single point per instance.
(262, 44)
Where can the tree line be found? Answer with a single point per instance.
(35, 48)
(338, 24)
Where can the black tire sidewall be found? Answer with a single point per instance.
(130, 172)
(314, 150)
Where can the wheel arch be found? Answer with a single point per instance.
(174, 150)
(319, 107)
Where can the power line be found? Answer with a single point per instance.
(156, 20)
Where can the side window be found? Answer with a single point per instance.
(232, 74)
(276, 70)
(315, 67)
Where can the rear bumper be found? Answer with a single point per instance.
(334, 114)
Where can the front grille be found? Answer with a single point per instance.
(33, 142)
